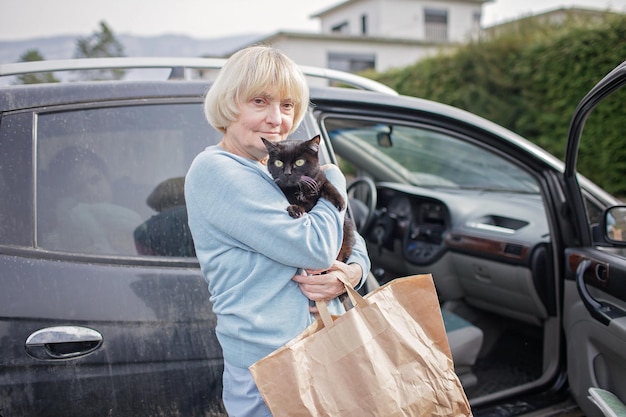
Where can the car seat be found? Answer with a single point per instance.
(167, 232)
(465, 341)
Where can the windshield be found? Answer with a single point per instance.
(425, 157)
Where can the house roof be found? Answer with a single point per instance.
(333, 8)
(348, 2)
(276, 36)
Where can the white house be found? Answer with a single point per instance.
(381, 34)
(439, 21)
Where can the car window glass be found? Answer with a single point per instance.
(110, 180)
(601, 154)
(426, 157)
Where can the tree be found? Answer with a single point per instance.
(100, 44)
(35, 78)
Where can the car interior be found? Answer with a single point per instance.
(473, 219)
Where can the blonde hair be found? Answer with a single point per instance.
(251, 71)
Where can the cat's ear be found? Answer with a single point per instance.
(269, 145)
(314, 144)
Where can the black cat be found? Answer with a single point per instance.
(294, 165)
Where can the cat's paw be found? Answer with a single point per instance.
(295, 211)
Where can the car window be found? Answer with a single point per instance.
(428, 158)
(110, 180)
(600, 154)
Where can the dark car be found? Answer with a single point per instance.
(103, 310)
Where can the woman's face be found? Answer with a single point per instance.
(265, 115)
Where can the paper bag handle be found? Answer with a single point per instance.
(355, 297)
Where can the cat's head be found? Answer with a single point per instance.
(290, 160)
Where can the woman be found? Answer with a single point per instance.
(252, 253)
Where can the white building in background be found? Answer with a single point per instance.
(381, 34)
(440, 21)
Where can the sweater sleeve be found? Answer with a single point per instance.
(360, 256)
(244, 208)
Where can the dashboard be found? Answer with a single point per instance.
(490, 246)
(500, 226)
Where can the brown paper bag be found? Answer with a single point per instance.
(388, 356)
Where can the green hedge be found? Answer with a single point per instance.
(530, 80)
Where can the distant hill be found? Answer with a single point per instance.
(63, 47)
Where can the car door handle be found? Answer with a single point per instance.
(62, 342)
(600, 310)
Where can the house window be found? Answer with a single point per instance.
(364, 24)
(340, 28)
(436, 25)
(351, 62)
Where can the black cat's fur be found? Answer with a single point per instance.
(294, 165)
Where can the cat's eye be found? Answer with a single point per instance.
(278, 163)
(299, 162)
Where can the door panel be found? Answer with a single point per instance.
(157, 331)
(596, 333)
(594, 303)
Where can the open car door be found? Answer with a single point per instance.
(594, 291)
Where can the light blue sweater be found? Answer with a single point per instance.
(249, 248)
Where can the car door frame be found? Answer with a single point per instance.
(594, 289)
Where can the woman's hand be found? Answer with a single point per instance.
(326, 285)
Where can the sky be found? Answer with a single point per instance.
(26, 19)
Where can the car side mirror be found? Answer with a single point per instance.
(615, 224)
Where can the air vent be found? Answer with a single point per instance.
(513, 249)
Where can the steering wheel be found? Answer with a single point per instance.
(363, 212)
